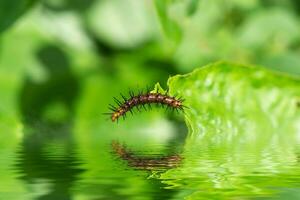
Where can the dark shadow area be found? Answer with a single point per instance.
(10, 11)
(47, 152)
(296, 6)
(61, 86)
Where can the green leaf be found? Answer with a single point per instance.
(243, 121)
(11, 10)
(235, 93)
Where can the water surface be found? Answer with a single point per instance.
(49, 163)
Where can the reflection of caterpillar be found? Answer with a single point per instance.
(145, 163)
(144, 99)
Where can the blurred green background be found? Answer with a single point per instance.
(62, 61)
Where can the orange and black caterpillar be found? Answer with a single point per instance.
(141, 100)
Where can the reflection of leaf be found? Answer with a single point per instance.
(243, 130)
(11, 10)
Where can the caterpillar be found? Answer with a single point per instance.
(142, 99)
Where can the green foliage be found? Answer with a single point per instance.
(63, 61)
(11, 10)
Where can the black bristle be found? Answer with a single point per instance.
(117, 101)
(112, 107)
(131, 94)
(130, 110)
(140, 92)
(135, 101)
(123, 97)
(148, 90)
(143, 105)
(149, 106)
